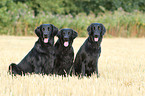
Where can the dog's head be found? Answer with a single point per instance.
(66, 36)
(46, 31)
(96, 31)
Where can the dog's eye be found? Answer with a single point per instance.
(99, 28)
(63, 33)
(94, 28)
(49, 29)
(68, 33)
(43, 29)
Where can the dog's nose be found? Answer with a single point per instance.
(66, 39)
(45, 36)
(96, 36)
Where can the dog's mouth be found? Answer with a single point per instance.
(66, 43)
(46, 38)
(96, 38)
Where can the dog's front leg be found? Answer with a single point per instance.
(97, 66)
(49, 66)
(83, 69)
(38, 70)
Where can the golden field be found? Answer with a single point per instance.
(121, 68)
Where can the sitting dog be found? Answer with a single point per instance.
(86, 61)
(64, 52)
(41, 57)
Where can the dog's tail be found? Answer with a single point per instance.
(14, 69)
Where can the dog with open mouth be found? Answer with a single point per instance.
(64, 52)
(41, 57)
(86, 61)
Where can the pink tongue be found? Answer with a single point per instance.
(45, 40)
(65, 44)
(96, 39)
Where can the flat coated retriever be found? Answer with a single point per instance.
(86, 61)
(40, 59)
(64, 52)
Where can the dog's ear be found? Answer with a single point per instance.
(103, 29)
(37, 31)
(74, 34)
(89, 29)
(55, 29)
(59, 34)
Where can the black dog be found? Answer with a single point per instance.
(86, 61)
(64, 51)
(41, 57)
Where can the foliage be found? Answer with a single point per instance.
(21, 17)
(73, 7)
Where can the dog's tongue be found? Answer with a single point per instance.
(45, 40)
(66, 43)
(95, 39)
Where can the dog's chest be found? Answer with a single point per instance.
(43, 59)
(64, 55)
(92, 50)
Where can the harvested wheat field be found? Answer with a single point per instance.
(121, 68)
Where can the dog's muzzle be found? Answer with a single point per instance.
(45, 38)
(96, 38)
(66, 43)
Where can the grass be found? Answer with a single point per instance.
(121, 67)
